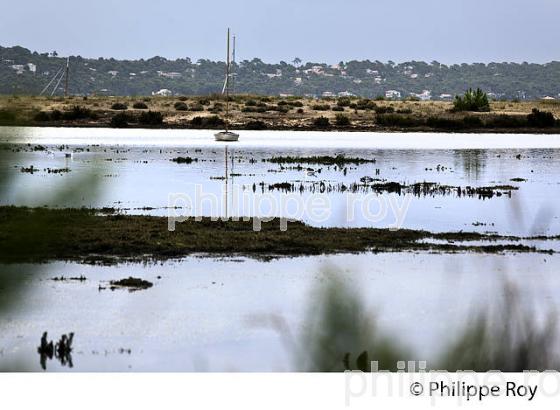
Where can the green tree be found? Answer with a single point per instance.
(472, 101)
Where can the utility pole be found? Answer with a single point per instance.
(66, 77)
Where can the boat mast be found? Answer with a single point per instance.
(233, 66)
(227, 80)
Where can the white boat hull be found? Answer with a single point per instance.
(226, 136)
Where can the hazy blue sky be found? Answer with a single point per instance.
(315, 30)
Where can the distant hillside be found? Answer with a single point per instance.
(26, 72)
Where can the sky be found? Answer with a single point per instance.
(449, 31)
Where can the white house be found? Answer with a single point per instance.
(164, 92)
(172, 74)
(425, 95)
(18, 68)
(392, 94)
(32, 67)
(346, 94)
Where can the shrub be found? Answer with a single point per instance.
(119, 106)
(197, 107)
(77, 113)
(384, 110)
(507, 121)
(282, 109)
(300, 111)
(344, 102)
(56, 115)
(396, 120)
(7, 117)
(181, 106)
(321, 107)
(140, 105)
(151, 118)
(365, 104)
(404, 111)
(218, 107)
(204, 101)
(342, 120)
(120, 120)
(380, 98)
(472, 101)
(321, 122)
(472, 121)
(254, 109)
(338, 108)
(256, 125)
(211, 122)
(182, 98)
(250, 103)
(42, 116)
(541, 119)
(445, 123)
(197, 121)
(295, 103)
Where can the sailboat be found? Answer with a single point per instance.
(227, 135)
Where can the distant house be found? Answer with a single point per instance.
(114, 73)
(164, 92)
(393, 94)
(346, 94)
(548, 98)
(32, 67)
(425, 95)
(172, 75)
(18, 68)
(328, 94)
(316, 69)
(445, 97)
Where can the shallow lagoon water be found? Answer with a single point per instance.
(207, 314)
(134, 173)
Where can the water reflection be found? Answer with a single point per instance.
(62, 350)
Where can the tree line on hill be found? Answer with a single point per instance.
(26, 72)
